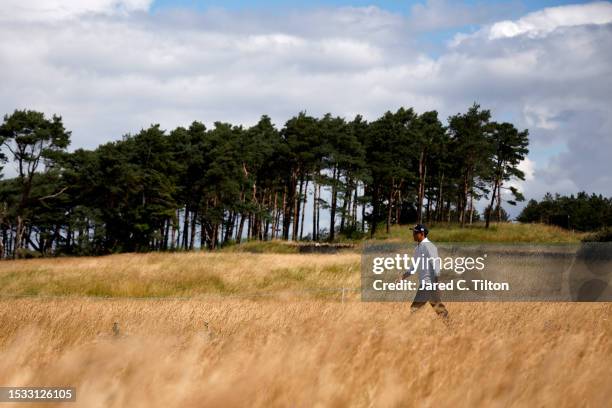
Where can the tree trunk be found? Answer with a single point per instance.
(332, 220)
(240, 229)
(355, 204)
(202, 233)
(314, 209)
(174, 235)
(268, 222)
(440, 201)
(398, 204)
(390, 206)
(166, 231)
(215, 238)
(471, 207)
(363, 206)
(421, 187)
(499, 217)
(464, 201)
(193, 230)
(274, 215)
(318, 226)
(304, 210)
(185, 228)
(375, 210)
(18, 235)
(296, 209)
(490, 209)
(345, 206)
(229, 228)
(286, 212)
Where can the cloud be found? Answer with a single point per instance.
(446, 14)
(45, 10)
(114, 69)
(585, 162)
(543, 22)
(547, 20)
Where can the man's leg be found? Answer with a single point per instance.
(439, 308)
(416, 306)
(437, 304)
(420, 299)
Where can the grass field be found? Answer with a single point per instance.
(237, 328)
(190, 275)
(308, 353)
(502, 233)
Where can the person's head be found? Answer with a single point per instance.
(419, 232)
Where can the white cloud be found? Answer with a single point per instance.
(46, 10)
(543, 22)
(49, 10)
(527, 166)
(539, 116)
(547, 20)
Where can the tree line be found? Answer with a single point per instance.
(581, 212)
(195, 187)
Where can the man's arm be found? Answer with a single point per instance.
(403, 276)
(411, 269)
(436, 263)
(406, 274)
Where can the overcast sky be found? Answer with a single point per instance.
(111, 67)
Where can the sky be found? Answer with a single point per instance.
(111, 67)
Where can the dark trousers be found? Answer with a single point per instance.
(433, 297)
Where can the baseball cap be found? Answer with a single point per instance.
(421, 228)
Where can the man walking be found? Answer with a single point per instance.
(428, 269)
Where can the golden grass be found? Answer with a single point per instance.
(308, 353)
(256, 247)
(225, 346)
(497, 232)
(178, 274)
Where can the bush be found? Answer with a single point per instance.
(352, 233)
(24, 253)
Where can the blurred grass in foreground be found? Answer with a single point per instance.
(233, 353)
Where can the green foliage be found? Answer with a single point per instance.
(260, 247)
(582, 212)
(206, 188)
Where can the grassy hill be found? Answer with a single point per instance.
(502, 233)
(496, 233)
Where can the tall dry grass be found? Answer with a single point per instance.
(223, 346)
(308, 353)
(505, 232)
(178, 274)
